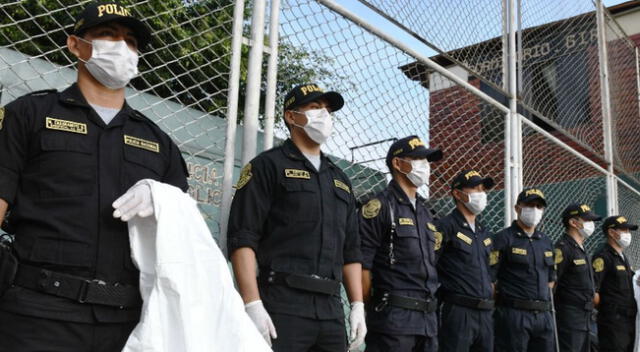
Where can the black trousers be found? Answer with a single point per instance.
(519, 330)
(378, 342)
(21, 333)
(465, 329)
(574, 326)
(297, 334)
(616, 332)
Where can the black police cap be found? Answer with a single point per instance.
(617, 222)
(580, 210)
(412, 147)
(470, 179)
(307, 93)
(96, 13)
(529, 195)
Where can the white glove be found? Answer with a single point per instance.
(358, 325)
(136, 201)
(261, 319)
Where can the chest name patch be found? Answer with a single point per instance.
(487, 242)
(579, 262)
(142, 143)
(548, 254)
(341, 185)
(405, 221)
(620, 267)
(64, 125)
(519, 251)
(464, 238)
(432, 227)
(295, 173)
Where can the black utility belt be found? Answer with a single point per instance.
(429, 305)
(542, 306)
(309, 283)
(587, 306)
(79, 289)
(468, 301)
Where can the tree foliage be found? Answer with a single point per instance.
(188, 60)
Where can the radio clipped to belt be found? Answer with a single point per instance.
(8, 263)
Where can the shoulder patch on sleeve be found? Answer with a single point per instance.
(438, 237)
(494, 257)
(245, 176)
(1, 117)
(598, 265)
(559, 257)
(371, 209)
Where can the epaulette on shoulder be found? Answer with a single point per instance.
(43, 92)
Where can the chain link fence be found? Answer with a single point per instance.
(389, 92)
(183, 81)
(625, 107)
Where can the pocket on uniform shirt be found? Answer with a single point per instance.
(301, 200)
(516, 258)
(406, 244)
(60, 252)
(141, 164)
(66, 166)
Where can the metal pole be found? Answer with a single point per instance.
(638, 75)
(513, 104)
(607, 121)
(232, 118)
(518, 93)
(508, 196)
(254, 71)
(272, 74)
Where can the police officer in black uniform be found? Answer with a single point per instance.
(295, 214)
(399, 245)
(65, 157)
(466, 316)
(523, 264)
(574, 292)
(614, 287)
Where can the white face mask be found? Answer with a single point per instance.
(588, 227)
(625, 239)
(420, 172)
(477, 202)
(530, 216)
(319, 124)
(112, 63)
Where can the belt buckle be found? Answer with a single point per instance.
(84, 289)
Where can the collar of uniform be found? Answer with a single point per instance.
(462, 222)
(520, 232)
(571, 241)
(73, 96)
(402, 197)
(613, 250)
(291, 151)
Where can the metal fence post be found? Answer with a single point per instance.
(272, 74)
(232, 117)
(508, 197)
(515, 145)
(254, 71)
(607, 121)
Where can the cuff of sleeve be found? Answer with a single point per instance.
(353, 256)
(242, 239)
(8, 185)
